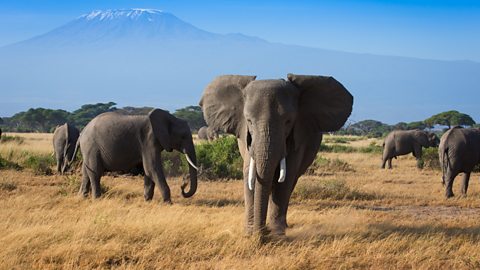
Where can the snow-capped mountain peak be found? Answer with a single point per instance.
(110, 14)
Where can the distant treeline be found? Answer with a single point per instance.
(373, 128)
(45, 120)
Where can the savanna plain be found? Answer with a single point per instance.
(345, 213)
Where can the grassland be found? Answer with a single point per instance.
(360, 217)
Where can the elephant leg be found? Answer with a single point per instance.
(248, 203)
(390, 163)
(418, 155)
(466, 179)
(149, 187)
(153, 170)
(85, 185)
(280, 199)
(384, 160)
(94, 170)
(449, 178)
(159, 179)
(59, 165)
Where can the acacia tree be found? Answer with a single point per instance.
(449, 119)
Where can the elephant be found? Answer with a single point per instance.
(459, 151)
(207, 133)
(64, 141)
(118, 142)
(278, 124)
(0, 133)
(403, 142)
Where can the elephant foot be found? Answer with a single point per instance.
(449, 195)
(167, 202)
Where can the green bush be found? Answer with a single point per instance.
(217, 159)
(220, 158)
(329, 189)
(40, 164)
(430, 160)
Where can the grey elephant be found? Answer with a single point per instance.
(403, 142)
(207, 133)
(279, 125)
(119, 142)
(64, 141)
(459, 151)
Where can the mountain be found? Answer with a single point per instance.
(144, 57)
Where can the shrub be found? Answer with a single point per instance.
(217, 159)
(16, 139)
(6, 164)
(40, 164)
(329, 189)
(429, 159)
(220, 158)
(322, 166)
(7, 186)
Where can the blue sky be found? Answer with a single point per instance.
(447, 30)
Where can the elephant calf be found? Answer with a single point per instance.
(118, 142)
(64, 140)
(403, 142)
(459, 151)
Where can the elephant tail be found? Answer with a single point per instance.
(445, 161)
(77, 145)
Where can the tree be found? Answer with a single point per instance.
(193, 115)
(449, 119)
(87, 112)
(370, 128)
(39, 119)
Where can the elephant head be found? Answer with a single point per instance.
(433, 139)
(272, 118)
(427, 139)
(174, 134)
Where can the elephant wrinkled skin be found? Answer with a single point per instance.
(459, 151)
(118, 142)
(279, 125)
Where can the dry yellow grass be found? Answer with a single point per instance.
(400, 221)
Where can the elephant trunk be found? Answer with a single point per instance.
(269, 152)
(192, 168)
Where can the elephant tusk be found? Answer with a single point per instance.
(283, 170)
(251, 174)
(190, 162)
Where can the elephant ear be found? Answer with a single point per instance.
(160, 121)
(324, 103)
(222, 103)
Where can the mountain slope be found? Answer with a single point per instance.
(152, 58)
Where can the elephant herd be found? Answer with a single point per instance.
(278, 125)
